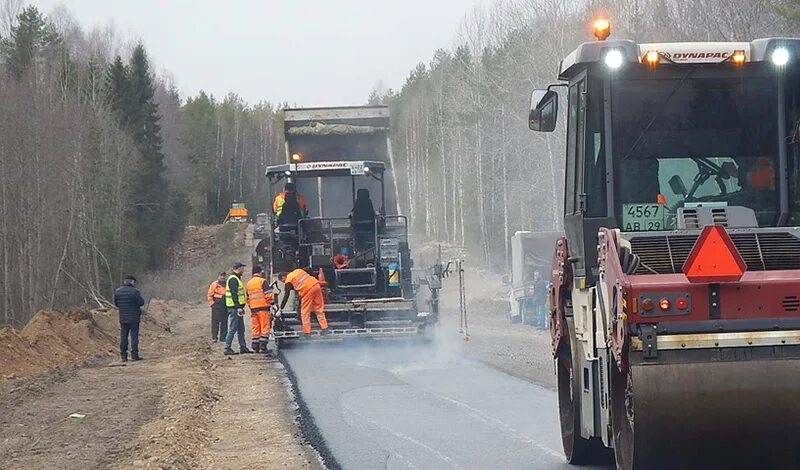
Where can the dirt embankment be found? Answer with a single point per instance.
(201, 243)
(195, 260)
(53, 338)
(185, 406)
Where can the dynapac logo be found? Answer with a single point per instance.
(323, 165)
(687, 56)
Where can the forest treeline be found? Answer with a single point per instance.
(103, 163)
(473, 172)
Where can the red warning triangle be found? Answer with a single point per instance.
(714, 257)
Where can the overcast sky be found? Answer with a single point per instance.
(306, 52)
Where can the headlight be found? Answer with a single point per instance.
(780, 56)
(613, 59)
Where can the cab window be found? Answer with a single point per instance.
(685, 142)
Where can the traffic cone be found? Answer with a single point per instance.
(321, 278)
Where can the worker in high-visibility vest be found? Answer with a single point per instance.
(308, 287)
(297, 203)
(235, 301)
(259, 298)
(219, 312)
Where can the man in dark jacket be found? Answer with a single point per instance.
(540, 292)
(129, 302)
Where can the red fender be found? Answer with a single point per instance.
(560, 286)
(617, 285)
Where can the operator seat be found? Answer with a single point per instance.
(362, 219)
(363, 210)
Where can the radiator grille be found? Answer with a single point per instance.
(791, 303)
(761, 251)
(691, 217)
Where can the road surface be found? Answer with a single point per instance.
(398, 406)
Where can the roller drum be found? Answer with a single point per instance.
(708, 415)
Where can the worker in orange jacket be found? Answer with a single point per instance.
(762, 175)
(310, 292)
(259, 298)
(219, 313)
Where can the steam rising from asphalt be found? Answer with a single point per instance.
(400, 354)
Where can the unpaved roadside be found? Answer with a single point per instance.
(184, 406)
(520, 350)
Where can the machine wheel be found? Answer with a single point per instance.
(578, 450)
(622, 420)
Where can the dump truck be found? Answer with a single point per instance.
(350, 234)
(675, 299)
(531, 252)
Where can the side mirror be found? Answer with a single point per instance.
(677, 186)
(544, 111)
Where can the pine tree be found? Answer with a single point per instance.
(31, 37)
(116, 89)
(150, 183)
(199, 138)
(131, 91)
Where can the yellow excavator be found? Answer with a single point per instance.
(237, 213)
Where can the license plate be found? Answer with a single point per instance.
(643, 217)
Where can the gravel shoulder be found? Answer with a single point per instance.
(185, 406)
(519, 350)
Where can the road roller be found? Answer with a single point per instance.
(674, 297)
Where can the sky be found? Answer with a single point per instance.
(304, 52)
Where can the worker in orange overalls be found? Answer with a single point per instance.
(259, 298)
(310, 292)
(219, 313)
(762, 175)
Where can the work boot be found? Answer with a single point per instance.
(135, 357)
(230, 352)
(123, 357)
(264, 348)
(256, 347)
(245, 351)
